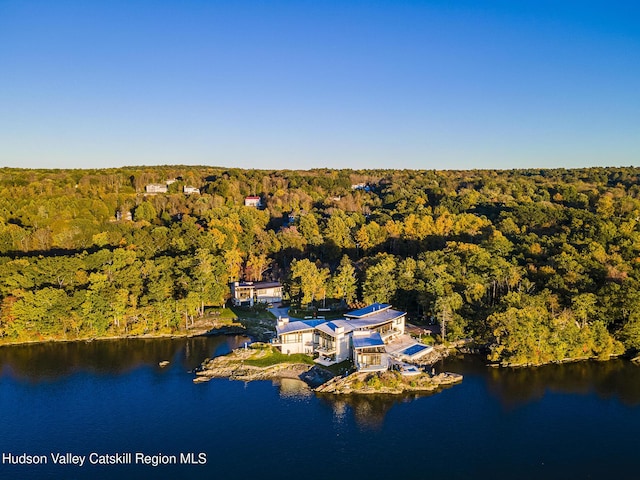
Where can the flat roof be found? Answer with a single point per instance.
(372, 320)
(371, 339)
(258, 284)
(368, 310)
(298, 326)
(376, 319)
(267, 285)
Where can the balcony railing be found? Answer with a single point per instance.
(325, 350)
(389, 333)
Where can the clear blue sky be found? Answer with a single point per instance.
(304, 84)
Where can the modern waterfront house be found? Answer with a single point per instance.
(362, 336)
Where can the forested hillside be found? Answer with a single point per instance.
(541, 265)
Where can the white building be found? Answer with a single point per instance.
(298, 336)
(369, 351)
(253, 201)
(156, 188)
(250, 293)
(333, 340)
(362, 337)
(378, 317)
(190, 190)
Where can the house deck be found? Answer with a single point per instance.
(405, 348)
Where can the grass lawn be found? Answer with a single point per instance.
(340, 368)
(251, 313)
(265, 357)
(223, 313)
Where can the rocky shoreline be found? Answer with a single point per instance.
(244, 364)
(234, 367)
(388, 382)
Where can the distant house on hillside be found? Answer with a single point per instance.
(289, 220)
(253, 201)
(124, 215)
(190, 190)
(250, 293)
(361, 186)
(156, 188)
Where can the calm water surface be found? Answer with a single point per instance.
(568, 421)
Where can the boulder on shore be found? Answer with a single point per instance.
(388, 382)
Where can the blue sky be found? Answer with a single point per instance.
(305, 84)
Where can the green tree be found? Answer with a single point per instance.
(380, 283)
(309, 280)
(584, 307)
(445, 309)
(343, 282)
(145, 211)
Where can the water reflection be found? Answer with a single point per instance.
(518, 386)
(293, 388)
(512, 387)
(369, 411)
(51, 361)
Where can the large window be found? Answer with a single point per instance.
(292, 338)
(366, 359)
(326, 342)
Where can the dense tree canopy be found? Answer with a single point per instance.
(540, 265)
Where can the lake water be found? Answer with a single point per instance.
(568, 421)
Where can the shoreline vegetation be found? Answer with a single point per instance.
(225, 321)
(538, 265)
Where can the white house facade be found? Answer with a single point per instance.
(362, 336)
(298, 336)
(253, 201)
(156, 188)
(250, 293)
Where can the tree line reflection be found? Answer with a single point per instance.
(50, 361)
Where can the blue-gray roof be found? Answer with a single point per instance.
(373, 339)
(368, 310)
(379, 313)
(330, 327)
(298, 325)
(375, 319)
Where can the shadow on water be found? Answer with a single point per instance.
(51, 361)
(518, 386)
